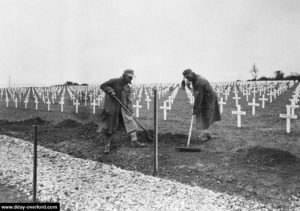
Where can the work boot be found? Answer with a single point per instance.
(136, 143)
(107, 145)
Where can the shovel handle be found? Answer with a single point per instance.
(190, 131)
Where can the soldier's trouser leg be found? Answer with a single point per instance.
(107, 141)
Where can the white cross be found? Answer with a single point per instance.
(171, 99)
(270, 94)
(254, 91)
(253, 104)
(247, 95)
(148, 100)
(226, 94)
(26, 101)
(62, 104)
(165, 108)
(48, 103)
(293, 106)
(159, 94)
(263, 99)
(7, 101)
(137, 106)
(36, 101)
(99, 100)
(85, 99)
(76, 106)
(236, 98)
(94, 106)
(221, 103)
(134, 94)
(288, 116)
(16, 102)
(169, 104)
(239, 113)
(53, 98)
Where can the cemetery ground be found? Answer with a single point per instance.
(259, 161)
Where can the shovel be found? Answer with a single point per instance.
(188, 148)
(149, 137)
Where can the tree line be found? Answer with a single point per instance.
(278, 75)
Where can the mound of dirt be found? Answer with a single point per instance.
(35, 121)
(89, 131)
(68, 123)
(266, 156)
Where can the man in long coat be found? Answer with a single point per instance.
(113, 116)
(206, 106)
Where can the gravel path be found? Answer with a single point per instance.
(80, 184)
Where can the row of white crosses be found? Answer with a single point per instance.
(167, 104)
(290, 109)
(247, 90)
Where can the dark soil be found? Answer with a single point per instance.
(266, 156)
(258, 161)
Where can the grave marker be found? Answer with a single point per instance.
(137, 106)
(239, 113)
(288, 116)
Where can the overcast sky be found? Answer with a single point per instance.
(90, 41)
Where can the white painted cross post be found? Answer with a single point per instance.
(226, 94)
(85, 99)
(148, 100)
(53, 98)
(271, 94)
(239, 113)
(94, 106)
(16, 102)
(48, 103)
(221, 103)
(169, 104)
(62, 104)
(137, 106)
(165, 108)
(236, 98)
(247, 93)
(25, 102)
(36, 101)
(293, 106)
(99, 100)
(253, 104)
(288, 116)
(76, 106)
(263, 99)
(7, 101)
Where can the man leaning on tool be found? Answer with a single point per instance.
(206, 106)
(113, 117)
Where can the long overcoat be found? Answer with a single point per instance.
(110, 116)
(206, 107)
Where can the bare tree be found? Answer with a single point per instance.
(254, 72)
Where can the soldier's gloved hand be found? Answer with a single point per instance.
(113, 94)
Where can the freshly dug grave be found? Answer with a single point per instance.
(266, 156)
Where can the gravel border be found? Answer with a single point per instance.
(80, 184)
